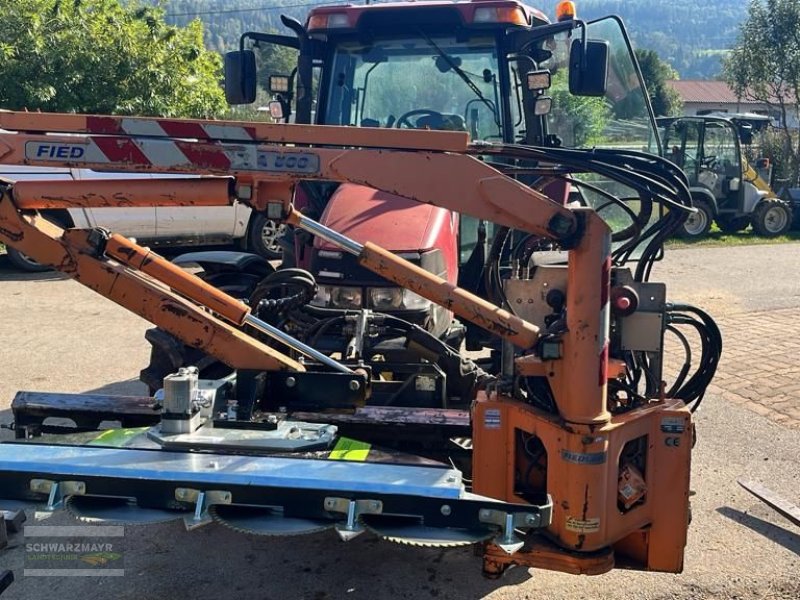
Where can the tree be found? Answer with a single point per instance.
(103, 56)
(580, 121)
(656, 72)
(764, 65)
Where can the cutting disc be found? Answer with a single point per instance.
(411, 531)
(97, 509)
(260, 520)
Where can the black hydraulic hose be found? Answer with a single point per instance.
(687, 363)
(693, 390)
(650, 174)
(279, 284)
(653, 177)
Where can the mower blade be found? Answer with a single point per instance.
(411, 531)
(261, 520)
(771, 499)
(123, 511)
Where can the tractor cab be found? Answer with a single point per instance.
(497, 69)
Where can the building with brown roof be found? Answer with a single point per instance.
(704, 97)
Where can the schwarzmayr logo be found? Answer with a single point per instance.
(73, 551)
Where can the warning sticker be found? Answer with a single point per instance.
(491, 418)
(117, 437)
(347, 449)
(582, 525)
(672, 425)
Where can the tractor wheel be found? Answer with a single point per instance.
(772, 217)
(697, 224)
(732, 224)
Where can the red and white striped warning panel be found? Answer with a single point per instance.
(167, 155)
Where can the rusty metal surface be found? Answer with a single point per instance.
(400, 415)
(453, 181)
(122, 193)
(176, 278)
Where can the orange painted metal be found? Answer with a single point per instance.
(123, 193)
(582, 469)
(241, 131)
(175, 277)
(458, 182)
(466, 305)
(72, 252)
(579, 379)
(583, 444)
(540, 553)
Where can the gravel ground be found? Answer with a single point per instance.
(57, 336)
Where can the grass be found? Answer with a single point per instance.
(715, 237)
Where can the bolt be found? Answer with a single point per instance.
(375, 505)
(291, 382)
(446, 510)
(451, 478)
(355, 385)
(531, 519)
(484, 513)
(180, 494)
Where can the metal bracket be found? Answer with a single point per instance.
(509, 522)
(202, 500)
(353, 509)
(57, 491)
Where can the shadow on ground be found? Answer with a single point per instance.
(786, 538)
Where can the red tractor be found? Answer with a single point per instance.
(496, 69)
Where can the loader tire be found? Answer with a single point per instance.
(732, 225)
(772, 217)
(697, 224)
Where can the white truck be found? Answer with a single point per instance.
(157, 226)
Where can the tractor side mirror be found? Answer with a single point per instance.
(240, 77)
(588, 68)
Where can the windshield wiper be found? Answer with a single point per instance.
(460, 72)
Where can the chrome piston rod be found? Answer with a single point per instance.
(327, 234)
(296, 344)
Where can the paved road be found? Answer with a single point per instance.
(56, 336)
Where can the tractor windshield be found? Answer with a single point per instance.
(619, 119)
(417, 83)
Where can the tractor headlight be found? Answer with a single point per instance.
(383, 299)
(413, 301)
(346, 297)
(334, 296)
(322, 297)
(386, 298)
